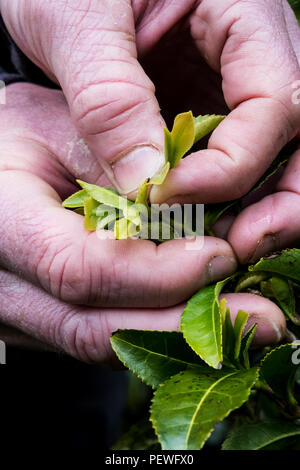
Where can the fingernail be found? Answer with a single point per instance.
(267, 330)
(220, 267)
(133, 168)
(267, 245)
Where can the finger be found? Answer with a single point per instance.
(48, 245)
(84, 332)
(272, 223)
(81, 332)
(111, 99)
(271, 323)
(250, 45)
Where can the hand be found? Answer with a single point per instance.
(272, 223)
(59, 283)
(91, 48)
(63, 286)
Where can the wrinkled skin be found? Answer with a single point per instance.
(90, 49)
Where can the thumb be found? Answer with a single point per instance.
(111, 99)
(91, 52)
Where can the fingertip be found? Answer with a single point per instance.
(270, 320)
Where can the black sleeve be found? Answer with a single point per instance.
(15, 66)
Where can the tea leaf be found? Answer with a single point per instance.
(79, 210)
(279, 161)
(228, 335)
(124, 229)
(187, 407)
(281, 290)
(105, 221)
(90, 219)
(278, 368)
(286, 263)
(213, 212)
(266, 435)
(154, 356)
(106, 196)
(76, 200)
(201, 324)
(245, 345)
(235, 344)
(142, 195)
(206, 124)
(181, 139)
(239, 325)
(250, 280)
(160, 178)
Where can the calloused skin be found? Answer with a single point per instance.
(110, 131)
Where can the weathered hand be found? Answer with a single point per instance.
(63, 286)
(91, 48)
(273, 222)
(60, 283)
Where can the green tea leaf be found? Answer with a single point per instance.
(279, 161)
(245, 345)
(181, 139)
(228, 334)
(103, 210)
(76, 200)
(281, 290)
(235, 344)
(90, 220)
(213, 212)
(201, 324)
(124, 229)
(142, 195)
(278, 368)
(160, 178)
(187, 407)
(266, 435)
(154, 356)
(239, 325)
(106, 196)
(286, 263)
(106, 216)
(79, 210)
(250, 280)
(206, 124)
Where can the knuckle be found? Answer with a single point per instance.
(108, 104)
(85, 336)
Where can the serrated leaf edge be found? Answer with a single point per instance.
(225, 416)
(188, 364)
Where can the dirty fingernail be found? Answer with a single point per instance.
(267, 245)
(267, 330)
(220, 267)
